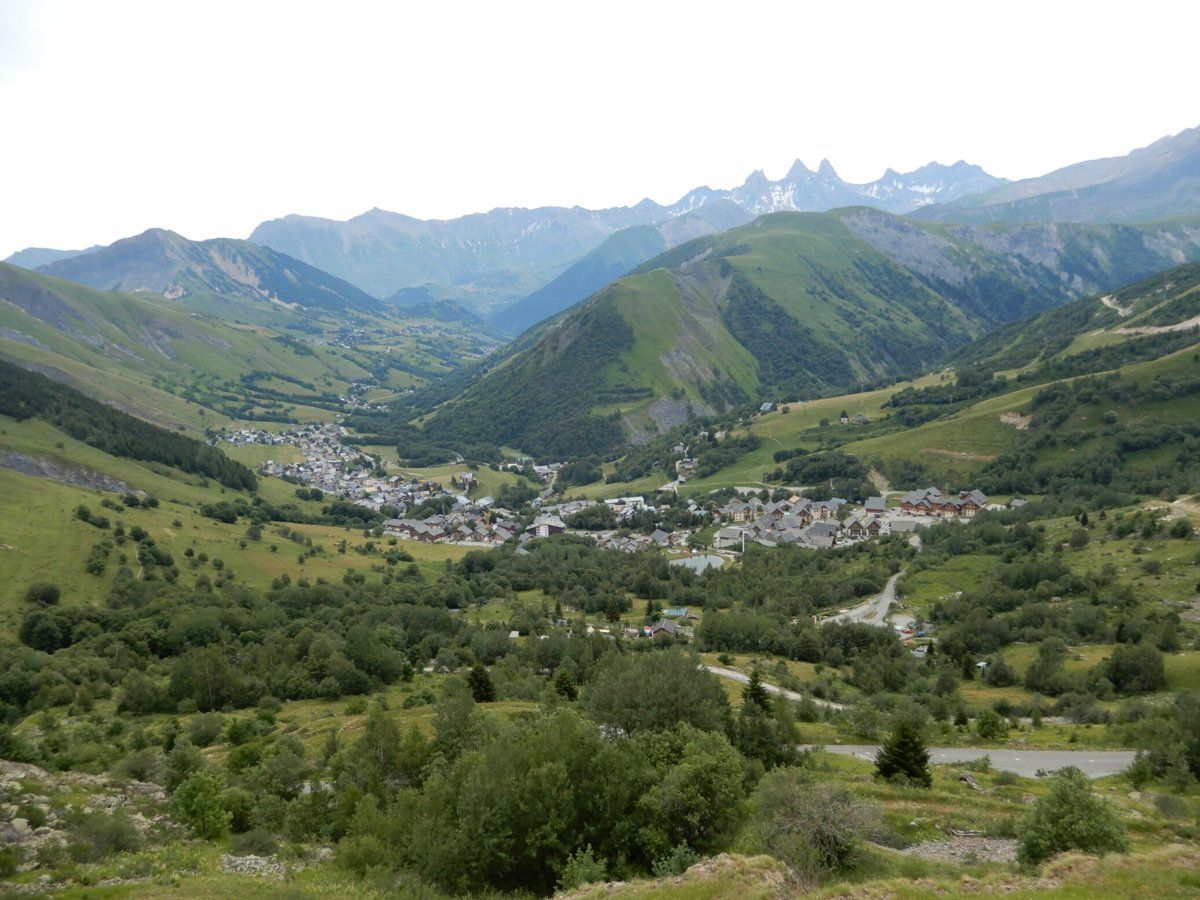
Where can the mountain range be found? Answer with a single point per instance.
(516, 267)
(500, 257)
(791, 305)
(163, 262)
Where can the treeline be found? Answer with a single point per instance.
(25, 394)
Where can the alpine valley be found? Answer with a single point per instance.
(803, 537)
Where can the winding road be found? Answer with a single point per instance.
(1026, 763)
(875, 610)
(733, 675)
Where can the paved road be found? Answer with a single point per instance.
(1093, 763)
(732, 675)
(875, 610)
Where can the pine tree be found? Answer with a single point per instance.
(612, 610)
(564, 684)
(481, 685)
(755, 692)
(904, 755)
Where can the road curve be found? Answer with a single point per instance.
(875, 610)
(1027, 763)
(733, 675)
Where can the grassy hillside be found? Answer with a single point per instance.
(178, 366)
(793, 305)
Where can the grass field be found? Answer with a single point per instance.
(45, 542)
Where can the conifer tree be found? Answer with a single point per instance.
(904, 755)
(481, 685)
(755, 692)
(564, 684)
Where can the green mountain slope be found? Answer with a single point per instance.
(1166, 307)
(1125, 396)
(163, 262)
(793, 304)
(148, 356)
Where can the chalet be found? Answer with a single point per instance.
(544, 526)
(663, 627)
(827, 509)
(737, 512)
(729, 537)
(766, 408)
(932, 502)
(864, 527)
(1017, 503)
(875, 506)
(821, 534)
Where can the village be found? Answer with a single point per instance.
(337, 468)
(334, 467)
(821, 524)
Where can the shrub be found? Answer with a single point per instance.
(678, 861)
(582, 868)
(1140, 771)
(361, 853)
(811, 826)
(205, 728)
(143, 765)
(256, 841)
(990, 725)
(1170, 807)
(1070, 817)
(198, 803)
(43, 593)
(98, 834)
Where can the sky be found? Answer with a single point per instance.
(208, 117)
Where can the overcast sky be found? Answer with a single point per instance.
(208, 117)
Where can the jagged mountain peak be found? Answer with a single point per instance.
(798, 172)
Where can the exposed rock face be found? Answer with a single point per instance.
(58, 470)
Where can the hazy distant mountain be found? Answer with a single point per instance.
(502, 256)
(1156, 182)
(618, 255)
(35, 257)
(163, 262)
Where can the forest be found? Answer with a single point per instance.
(25, 394)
